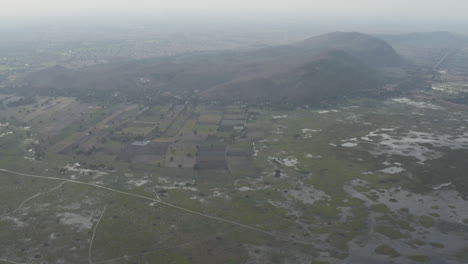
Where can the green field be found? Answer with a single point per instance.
(292, 186)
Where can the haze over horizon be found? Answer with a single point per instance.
(29, 17)
(449, 10)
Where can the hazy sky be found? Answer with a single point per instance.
(386, 9)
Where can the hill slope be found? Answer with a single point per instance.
(320, 68)
(369, 49)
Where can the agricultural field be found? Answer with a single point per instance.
(370, 181)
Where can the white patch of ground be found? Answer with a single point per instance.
(417, 104)
(54, 235)
(438, 88)
(413, 143)
(15, 220)
(78, 170)
(311, 156)
(79, 221)
(163, 180)
(309, 130)
(353, 118)
(249, 189)
(440, 186)
(246, 189)
(138, 183)
(72, 206)
(31, 141)
(175, 185)
(279, 129)
(255, 151)
(288, 207)
(449, 88)
(6, 134)
(198, 198)
(349, 188)
(183, 183)
(193, 189)
(279, 116)
(306, 194)
(328, 111)
(289, 162)
(392, 170)
(349, 143)
(216, 194)
(255, 184)
(345, 213)
(219, 194)
(309, 133)
(351, 107)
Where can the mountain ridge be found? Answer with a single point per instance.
(273, 73)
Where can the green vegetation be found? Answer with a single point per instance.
(426, 221)
(420, 258)
(415, 243)
(288, 176)
(436, 245)
(387, 250)
(390, 232)
(381, 208)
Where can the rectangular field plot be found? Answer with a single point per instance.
(211, 155)
(138, 129)
(240, 149)
(232, 122)
(203, 131)
(153, 115)
(181, 155)
(27, 110)
(69, 143)
(210, 117)
(177, 123)
(147, 152)
(119, 115)
(48, 106)
(54, 123)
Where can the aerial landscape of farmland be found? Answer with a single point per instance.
(241, 179)
(232, 143)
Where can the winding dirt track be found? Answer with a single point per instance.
(244, 226)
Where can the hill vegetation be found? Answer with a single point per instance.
(318, 69)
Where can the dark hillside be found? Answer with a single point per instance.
(328, 78)
(320, 68)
